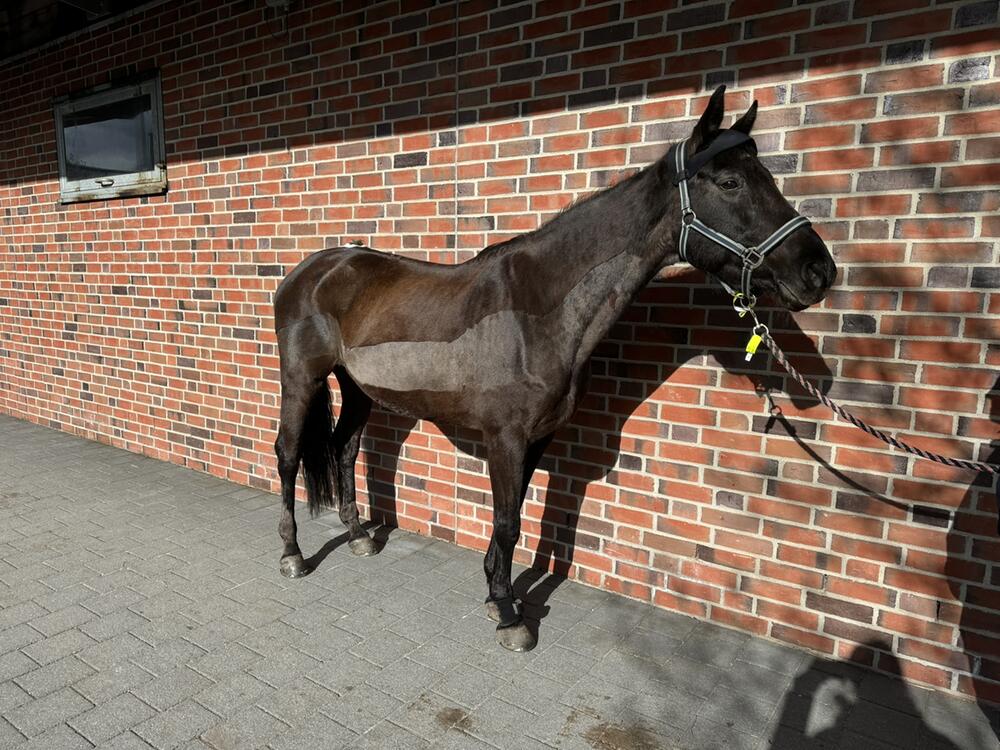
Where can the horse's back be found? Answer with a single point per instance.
(335, 281)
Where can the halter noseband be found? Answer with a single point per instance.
(752, 257)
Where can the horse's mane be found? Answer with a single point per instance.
(491, 251)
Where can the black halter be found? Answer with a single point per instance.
(752, 257)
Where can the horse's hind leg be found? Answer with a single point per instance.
(346, 443)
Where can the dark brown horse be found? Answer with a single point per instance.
(500, 343)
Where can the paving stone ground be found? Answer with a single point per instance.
(141, 606)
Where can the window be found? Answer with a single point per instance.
(110, 143)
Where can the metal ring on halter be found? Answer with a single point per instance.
(744, 304)
(688, 217)
(753, 257)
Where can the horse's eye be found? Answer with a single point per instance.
(729, 184)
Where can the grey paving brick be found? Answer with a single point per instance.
(168, 655)
(496, 722)
(111, 718)
(563, 665)
(251, 727)
(318, 731)
(110, 625)
(114, 650)
(590, 640)
(51, 677)
(441, 653)
(12, 696)
(403, 679)
(15, 614)
(35, 717)
(467, 686)
(709, 735)
(228, 696)
(114, 680)
(754, 708)
(216, 633)
(877, 722)
(362, 707)
(64, 619)
(388, 736)
(125, 741)
(365, 620)
(14, 664)
(429, 715)
(17, 637)
(175, 726)
(172, 687)
(9, 736)
(384, 647)
(343, 675)
(284, 666)
(60, 737)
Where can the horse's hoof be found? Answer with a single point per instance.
(293, 566)
(363, 546)
(516, 637)
(493, 611)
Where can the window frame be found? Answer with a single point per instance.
(149, 182)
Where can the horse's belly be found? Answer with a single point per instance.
(486, 357)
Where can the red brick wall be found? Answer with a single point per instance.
(145, 323)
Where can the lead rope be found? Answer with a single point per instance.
(761, 333)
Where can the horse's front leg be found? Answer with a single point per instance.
(507, 455)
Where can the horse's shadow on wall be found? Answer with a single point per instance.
(660, 333)
(972, 538)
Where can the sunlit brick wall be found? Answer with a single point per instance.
(435, 130)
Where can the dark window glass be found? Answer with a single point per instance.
(110, 139)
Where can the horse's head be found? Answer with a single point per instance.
(735, 195)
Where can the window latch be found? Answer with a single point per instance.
(105, 182)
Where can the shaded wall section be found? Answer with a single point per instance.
(435, 129)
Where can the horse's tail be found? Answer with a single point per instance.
(319, 466)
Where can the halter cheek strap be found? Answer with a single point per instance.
(752, 257)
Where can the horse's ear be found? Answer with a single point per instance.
(745, 123)
(711, 118)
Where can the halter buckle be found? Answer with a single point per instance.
(688, 216)
(752, 258)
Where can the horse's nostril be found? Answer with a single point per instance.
(814, 274)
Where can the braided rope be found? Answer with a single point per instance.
(884, 437)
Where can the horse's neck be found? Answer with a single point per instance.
(622, 263)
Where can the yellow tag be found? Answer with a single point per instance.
(752, 345)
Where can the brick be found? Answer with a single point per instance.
(903, 79)
(850, 109)
(839, 159)
(867, 8)
(942, 100)
(878, 205)
(817, 184)
(968, 175)
(820, 137)
(917, 24)
(932, 228)
(829, 38)
(919, 153)
(898, 130)
(987, 121)
(896, 179)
